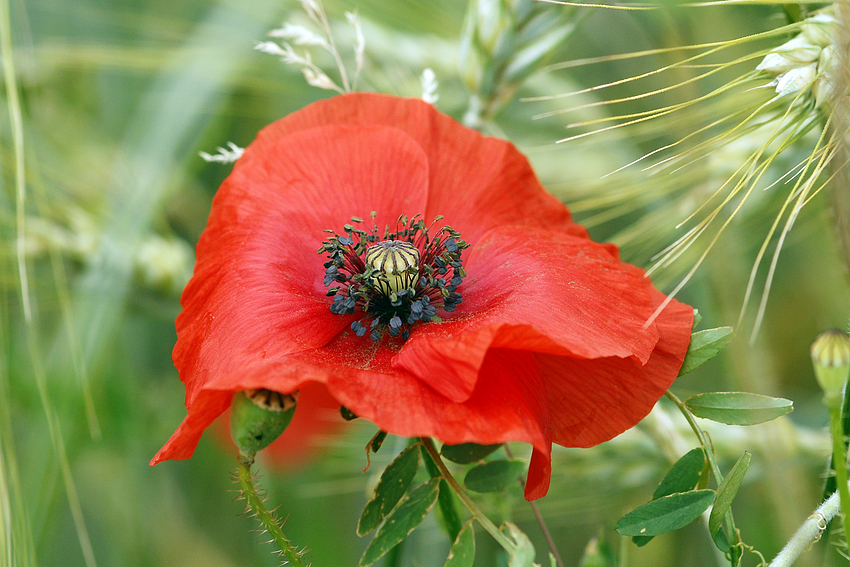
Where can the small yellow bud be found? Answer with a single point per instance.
(831, 359)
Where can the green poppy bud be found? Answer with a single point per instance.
(831, 358)
(258, 417)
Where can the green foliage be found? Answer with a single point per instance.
(404, 519)
(665, 514)
(523, 553)
(466, 453)
(392, 486)
(726, 493)
(494, 476)
(447, 501)
(704, 346)
(683, 476)
(738, 408)
(462, 553)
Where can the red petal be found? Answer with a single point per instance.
(205, 407)
(257, 291)
(476, 182)
(592, 401)
(540, 291)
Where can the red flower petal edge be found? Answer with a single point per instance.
(550, 344)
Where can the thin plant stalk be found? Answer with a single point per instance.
(540, 521)
(839, 457)
(709, 454)
(470, 504)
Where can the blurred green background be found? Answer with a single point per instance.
(118, 97)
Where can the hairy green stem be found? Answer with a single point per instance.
(470, 504)
(839, 458)
(246, 482)
(810, 532)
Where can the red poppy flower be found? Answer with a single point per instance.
(545, 340)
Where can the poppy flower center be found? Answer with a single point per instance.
(396, 279)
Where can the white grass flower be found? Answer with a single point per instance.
(796, 79)
(789, 55)
(224, 155)
(297, 34)
(359, 48)
(317, 78)
(429, 86)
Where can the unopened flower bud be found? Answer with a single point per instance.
(831, 359)
(398, 261)
(258, 417)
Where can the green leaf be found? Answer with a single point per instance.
(462, 553)
(447, 502)
(494, 476)
(704, 346)
(466, 453)
(665, 514)
(641, 540)
(721, 542)
(523, 554)
(738, 408)
(726, 493)
(683, 476)
(597, 553)
(394, 483)
(404, 519)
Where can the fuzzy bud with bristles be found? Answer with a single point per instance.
(258, 417)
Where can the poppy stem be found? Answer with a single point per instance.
(267, 519)
(470, 504)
